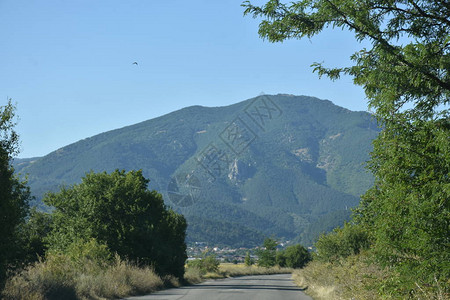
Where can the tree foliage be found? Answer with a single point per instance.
(267, 255)
(207, 263)
(280, 258)
(248, 260)
(408, 210)
(409, 58)
(14, 194)
(405, 75)
(342, 242)
(32, 235)
(297, 256)
(9, 139)
(119, 211)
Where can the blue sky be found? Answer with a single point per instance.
(69, 64)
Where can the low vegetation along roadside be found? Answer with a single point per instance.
(63, 277)
(356, 277)
(88, 270)
(60, 277)
(194, 275)
(270, 261)
(345, 267)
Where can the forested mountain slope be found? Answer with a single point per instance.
(281, 165)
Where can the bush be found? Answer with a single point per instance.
(208, 263)
(358, 277)
(342, 242)
(353, 278)
(193, 275)
(49, 279)
(62, 277)
(296, 256)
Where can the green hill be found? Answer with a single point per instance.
(272, 165)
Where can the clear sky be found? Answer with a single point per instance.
(69, 64)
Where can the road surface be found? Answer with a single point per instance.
(261, 287)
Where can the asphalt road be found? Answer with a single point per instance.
(264, 287)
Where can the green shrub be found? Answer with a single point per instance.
(296, 256)
(342, 242)
(208, 263)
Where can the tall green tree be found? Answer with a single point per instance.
(406, 78)
(267, 255)
(118, 210)
(248, 260)
(409, 59)
(407, 212)
(280, 258)
(14, 194)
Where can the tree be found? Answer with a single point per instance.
(32, 235)
(118, 210)
(280, 258)
(407, 212)
(297, 256)
(267, 255)
(393, 72)
(406, 78)
(248, 260)
(14, 194)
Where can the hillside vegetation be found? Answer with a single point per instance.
(283, 165)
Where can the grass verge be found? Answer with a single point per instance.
(194, 275)
(357, 278)
(339, 280)
(59, 278)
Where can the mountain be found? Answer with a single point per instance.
(283, 165)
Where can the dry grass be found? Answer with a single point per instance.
(347, 279)
(356, 278)
(194, 275)
(119, 280)
(58, 278)
(233, 270)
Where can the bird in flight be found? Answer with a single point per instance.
(135, 63)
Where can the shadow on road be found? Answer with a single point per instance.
(244, 287)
